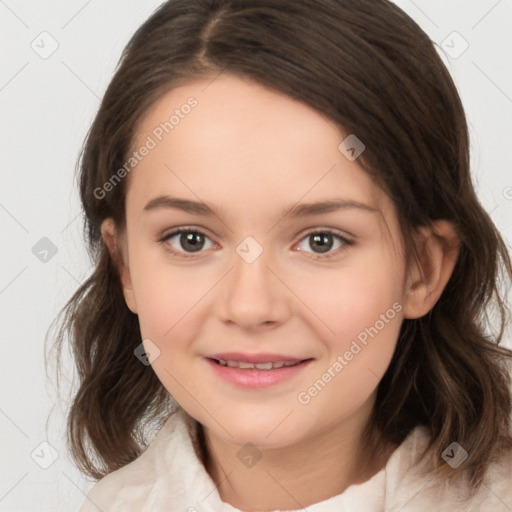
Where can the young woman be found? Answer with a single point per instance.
(292, 272)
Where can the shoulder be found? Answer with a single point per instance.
(410, 488)
(138, 477)
(496, 488)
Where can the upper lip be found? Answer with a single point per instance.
(255, 358)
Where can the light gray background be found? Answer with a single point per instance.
(47, 107)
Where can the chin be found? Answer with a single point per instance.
(265, 431)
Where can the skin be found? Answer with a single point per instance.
(253, 154)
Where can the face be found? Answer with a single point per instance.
(260, 275)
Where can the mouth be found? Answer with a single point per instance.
(256, 371)
(257, 366)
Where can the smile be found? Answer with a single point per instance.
(256, 371)
(256, 366)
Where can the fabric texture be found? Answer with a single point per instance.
(169, 476)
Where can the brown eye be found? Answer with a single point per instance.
(186, 241)
(323, 242)
(192, 242)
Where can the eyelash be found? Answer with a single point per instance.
(327, 231)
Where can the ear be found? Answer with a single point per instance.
(119, 254)
(438, 250)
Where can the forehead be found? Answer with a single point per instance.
(238, 144)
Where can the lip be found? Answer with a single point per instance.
(254, 378)
(255, 358)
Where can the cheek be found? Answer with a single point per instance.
(361, 313)
(174, 304)
(165, 305)
(165, 294)
(366, 322)
(170, 304)
(353, 299)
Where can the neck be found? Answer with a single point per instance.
(296, 476)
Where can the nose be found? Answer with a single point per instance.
(254, 295)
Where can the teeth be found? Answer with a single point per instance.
(264, 366)
(259, 366)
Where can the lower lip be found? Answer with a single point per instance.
(256, 379)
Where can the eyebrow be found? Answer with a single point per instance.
(301, 210)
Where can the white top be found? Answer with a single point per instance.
(169, 476)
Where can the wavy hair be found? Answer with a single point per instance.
(369, 68)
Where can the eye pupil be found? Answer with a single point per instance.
(192, 241)
(323, 240)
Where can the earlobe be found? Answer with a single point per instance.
(438, 250)
(118, 254)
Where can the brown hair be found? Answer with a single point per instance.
(370, 69)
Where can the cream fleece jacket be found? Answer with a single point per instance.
(170, 477)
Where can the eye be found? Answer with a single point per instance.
(185, 240)
(323, 242)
